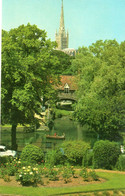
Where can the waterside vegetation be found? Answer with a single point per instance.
(31, 69)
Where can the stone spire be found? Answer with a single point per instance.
(62, 36)
(62, 27)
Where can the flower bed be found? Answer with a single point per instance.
(39, 175)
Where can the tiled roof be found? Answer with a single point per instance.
(70, 80)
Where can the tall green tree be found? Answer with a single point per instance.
(65, 62)
(101, 87)
(28, 75)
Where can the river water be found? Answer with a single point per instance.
(71, 129)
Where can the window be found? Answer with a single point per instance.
(66, 88)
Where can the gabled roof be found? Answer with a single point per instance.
(69, 80)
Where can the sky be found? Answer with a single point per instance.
(86, 20)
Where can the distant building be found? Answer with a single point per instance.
(70, 51)
(68, 83)
(67, 88)
(62, 38)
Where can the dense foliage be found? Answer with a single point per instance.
(28, 75)
(54, 157)
(64, 61)
(4, 159)
(74, 151)
(105, 154)
(87, 160)
(31, 153)
(101, 87)
(121, 163)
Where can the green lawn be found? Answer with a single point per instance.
(8, 125)
(115, 181)
(63, 112)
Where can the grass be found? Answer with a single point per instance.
(8, 125)
(63, 112)
(115, 181)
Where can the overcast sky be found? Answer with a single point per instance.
(86, 20)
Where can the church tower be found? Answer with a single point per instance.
(61, 36)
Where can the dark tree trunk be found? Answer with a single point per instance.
(13, 137)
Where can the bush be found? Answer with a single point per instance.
(84, 174)
(74, 151)
(105, 154)
(93, 175)
(87, 158)
(4, 174)
(51, 173)
(121, 163)
(11, 169)
(66, 174)
(88, 175)
(29, 176)
(54, 157)
(32, 153)
(5, 159)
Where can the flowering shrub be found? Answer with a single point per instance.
(84, 174)
(89, 175)
(93, 175)
(72, 172)
(45, 172)
(66, 174)
(53, 174)
(3, 171)
(5, 159)
(12, 167)
(50, 173)
(29, 175)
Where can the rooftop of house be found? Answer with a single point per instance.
(69, 81)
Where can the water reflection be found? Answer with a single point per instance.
(71, 129)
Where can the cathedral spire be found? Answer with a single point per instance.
(62, 27)
(61, 36)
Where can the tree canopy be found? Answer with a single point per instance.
(65, 62)
(101, 87)
(28, 74)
